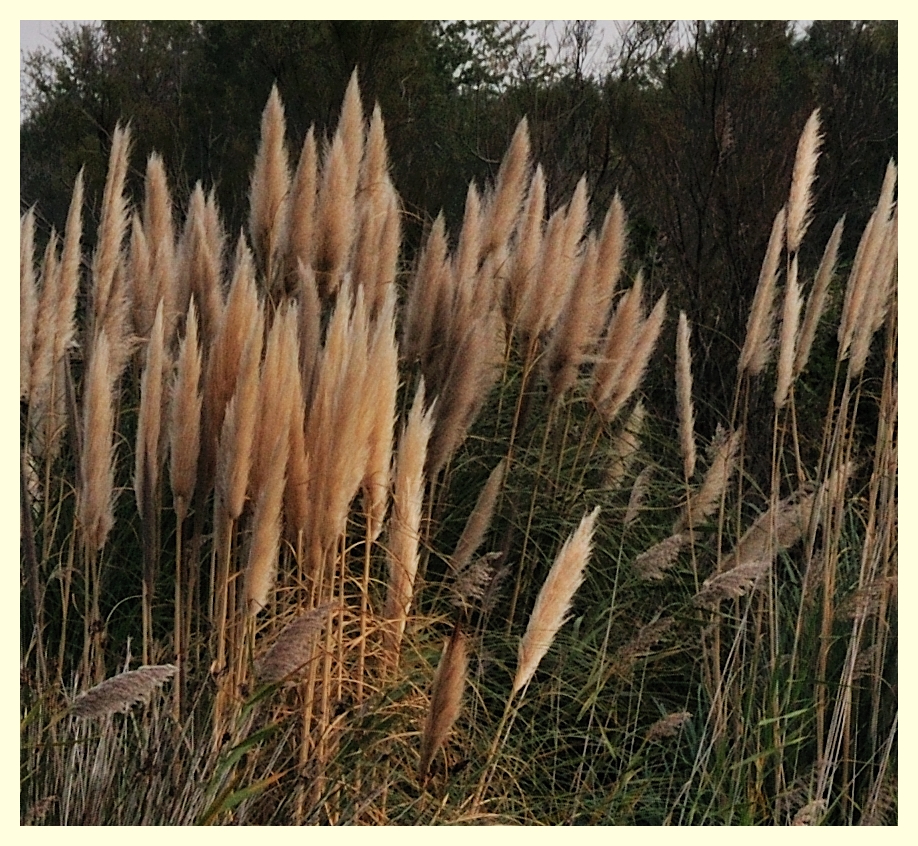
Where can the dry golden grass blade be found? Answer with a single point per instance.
(185, 417)
(28, 300)
(119, 693)
(787, 340)
(405, 522)
(554, 600)
(800, 202)
(445, 699)
(684, 407)
(816, 302)
(270, 189)
(293, 648)
(757, 346)
(97, 461)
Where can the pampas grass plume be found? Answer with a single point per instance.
(800, 202)
(684, 406)
(554, 599)
(445, 698)
(119, 693)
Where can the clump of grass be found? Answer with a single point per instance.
(713, 651)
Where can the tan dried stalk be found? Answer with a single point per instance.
(293, 648)
(185, 418)
(624, 448)
(757, 346)
(445, 699)
(684, 408)
(479, 520)
(787, 343)
(504, 204)
(112, 229)
(816, 302)
(405, 522)
(118, 694)
(301, 239)
(269, 189)
(554, 600)
(706, 501)
(28, 300)
(633, 371)
(800, 202)
(97, 460)
(654, 562)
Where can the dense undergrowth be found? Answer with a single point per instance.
(311, 537)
